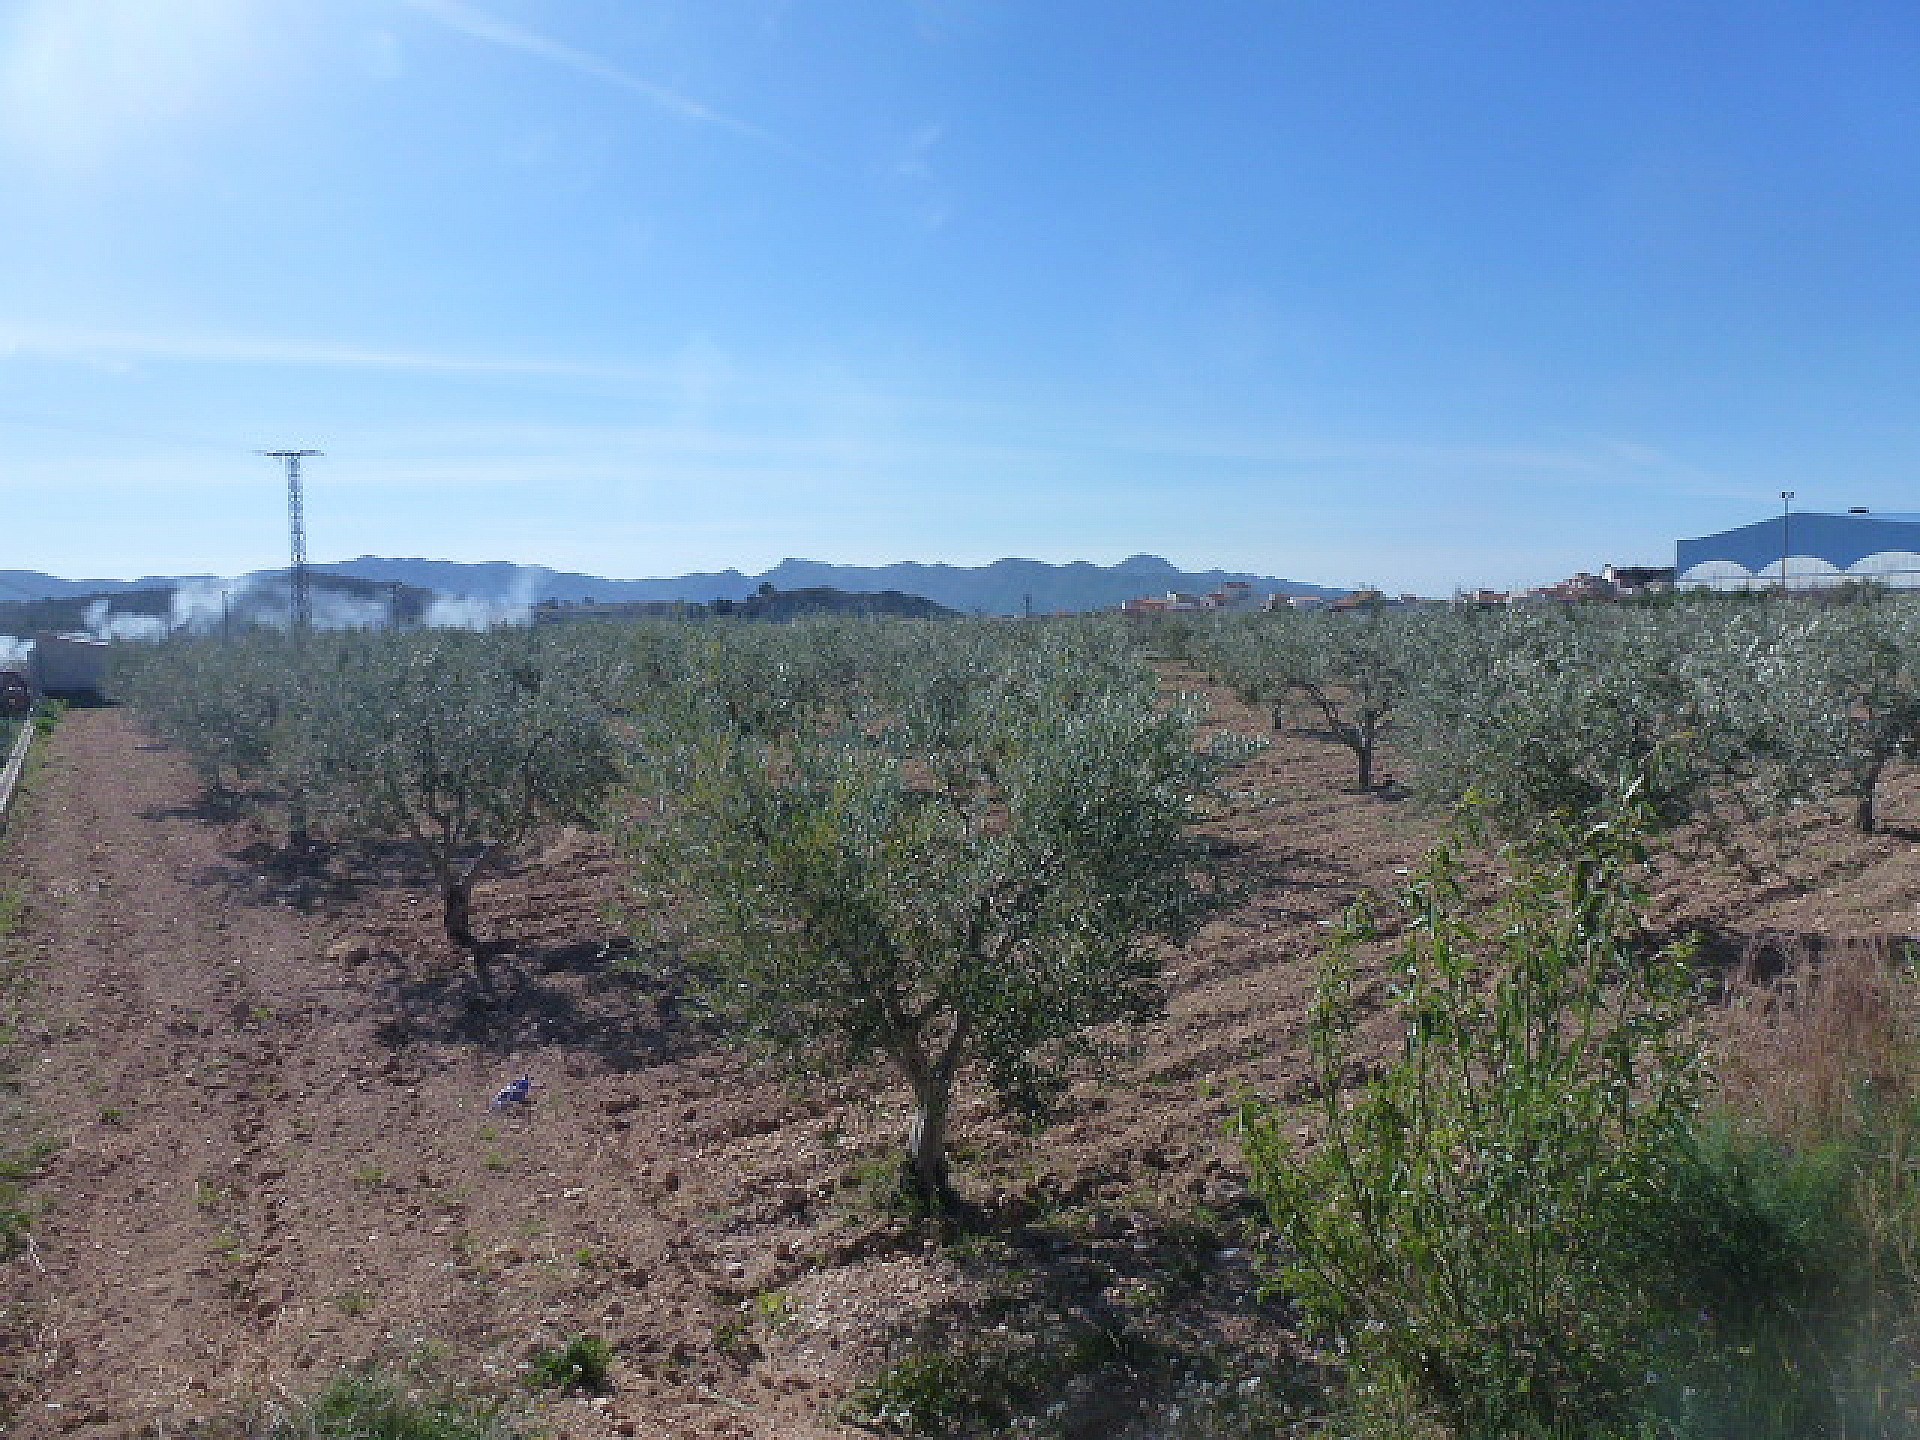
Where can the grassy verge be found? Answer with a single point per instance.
(1804, 1237)
(21, 1152)
(373, 1404)
(1570, 1208)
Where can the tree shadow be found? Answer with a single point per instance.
(209, 807)
(1277, 883)
(1101, 1317)
(589, 995)
(319, 874)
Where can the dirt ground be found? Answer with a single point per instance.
(267, 1089)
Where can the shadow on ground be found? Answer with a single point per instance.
(590, 996)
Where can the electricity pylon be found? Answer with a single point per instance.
(300, 596)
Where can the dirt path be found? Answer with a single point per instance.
(180, 1038)
(257, 1180)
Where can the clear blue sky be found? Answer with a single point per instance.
(1419, 294)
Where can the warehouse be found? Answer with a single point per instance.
(1808, 550)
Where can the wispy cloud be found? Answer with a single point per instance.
(477, 25)
(108, 347)
(932, 202)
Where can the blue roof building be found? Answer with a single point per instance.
(1818, 551)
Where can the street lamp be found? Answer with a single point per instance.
(1786, 523)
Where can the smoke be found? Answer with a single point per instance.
(105, 626)
(462, 613)
(14, 652)
(200, 606)
(333, 610)
(204, 607)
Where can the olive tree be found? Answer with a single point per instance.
(222, 705)
(1353, 669)
(973, 884)
(462, 745)
(1543, 714)
(1829, 696)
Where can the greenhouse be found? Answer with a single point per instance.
(1806, 550)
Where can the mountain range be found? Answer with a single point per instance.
(1005, 587)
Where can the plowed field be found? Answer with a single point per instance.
(267, 1088)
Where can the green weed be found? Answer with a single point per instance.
(583, 1363)
(776, 1310)
(367, 1405)
(1029, 1383)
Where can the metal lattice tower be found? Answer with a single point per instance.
(300, 595)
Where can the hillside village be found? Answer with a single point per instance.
(1614, 582)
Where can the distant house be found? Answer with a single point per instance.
(1582, 586)
(1173, 600)
(1482, 599)
(1363, 599)
(1631, 580)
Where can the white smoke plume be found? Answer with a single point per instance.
(199, 606)
(335, 610)
(462, 613)
(203, 607)
(103, 625)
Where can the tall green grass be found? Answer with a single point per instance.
(372, 1405)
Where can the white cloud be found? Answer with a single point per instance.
(464, 19)
(79, 79)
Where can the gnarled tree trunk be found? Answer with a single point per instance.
(458, 918)
(926, 1167)
(1865, 818)
(456, 896)
(924, 1172)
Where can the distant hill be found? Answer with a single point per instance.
(1006, 587)
(34, 585)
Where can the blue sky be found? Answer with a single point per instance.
(1422, 294)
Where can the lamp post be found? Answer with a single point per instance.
(1786, 529)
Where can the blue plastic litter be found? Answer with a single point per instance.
(520, 1092)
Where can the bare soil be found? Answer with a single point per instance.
(268, 1083)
